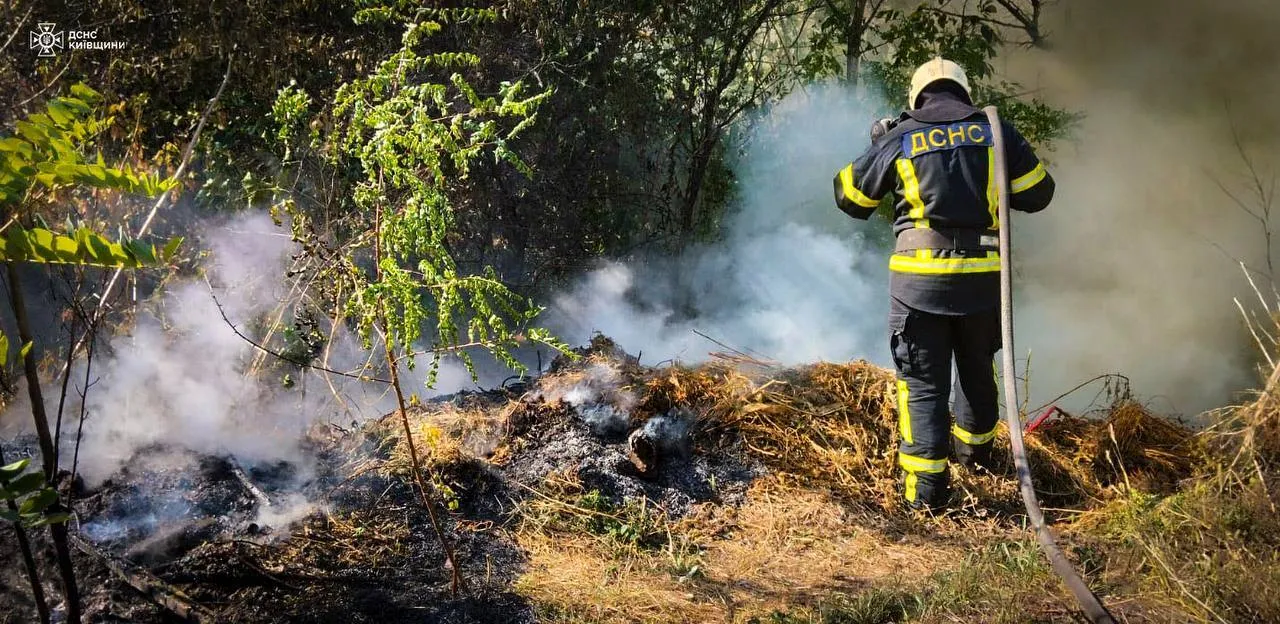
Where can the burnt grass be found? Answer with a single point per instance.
(366, 552)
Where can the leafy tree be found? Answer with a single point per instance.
(42, 157)
(412, 130)
(883, 45)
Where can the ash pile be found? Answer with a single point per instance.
(594, 421)
(340, 535)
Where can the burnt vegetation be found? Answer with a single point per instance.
(435, 170)
(776, 499)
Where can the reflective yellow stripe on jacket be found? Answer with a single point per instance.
(911, 192)
(924, 263)
(851, 192)
(1032, 178)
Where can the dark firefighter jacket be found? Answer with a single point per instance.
(939, 164)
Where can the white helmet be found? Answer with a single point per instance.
(932, 71)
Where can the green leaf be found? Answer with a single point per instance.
(171, 249)
(38, 503)
(12, 470)
(67, 250)
(27, 483)
(16, 247)
(42, 243)
(83, 92)
(47, 519)
(26, 348)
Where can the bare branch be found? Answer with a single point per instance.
(259, 346)
(17, 29)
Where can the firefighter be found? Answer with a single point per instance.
(938, 162)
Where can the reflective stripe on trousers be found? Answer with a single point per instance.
(923, 347)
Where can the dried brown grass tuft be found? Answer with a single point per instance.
(444, 435)
(835, 426)
(357, 539)
(829, 424)
(788, 547)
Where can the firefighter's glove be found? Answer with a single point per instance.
(882, 127)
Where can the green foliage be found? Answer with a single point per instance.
(904, 39)
(412, 130)
(1212, 548)
(875, 605)
(628, 527)
(45, 151)
(30, 494)
(84, 248)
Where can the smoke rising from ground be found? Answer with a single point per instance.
(181, 378)
(793, 279)
(1134, 267)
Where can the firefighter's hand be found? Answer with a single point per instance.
(882, 127)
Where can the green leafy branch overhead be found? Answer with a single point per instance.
(45, 151)
(85, 247)
(411, 131)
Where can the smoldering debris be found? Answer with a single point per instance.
(168, 501)
(342, 532)
(347, 539)
(597, 396)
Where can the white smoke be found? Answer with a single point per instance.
(599, 399)
(1134, 267)
(793, 279)
(182, 378)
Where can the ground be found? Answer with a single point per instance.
(764, 495)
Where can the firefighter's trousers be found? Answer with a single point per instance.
(923, 346)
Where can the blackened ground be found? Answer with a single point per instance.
(555, 439)
(364, 550)
(190, 521)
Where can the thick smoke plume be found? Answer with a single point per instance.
(1134, 267)
(1132, 270)
(793, 280)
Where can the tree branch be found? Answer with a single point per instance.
(281, 356)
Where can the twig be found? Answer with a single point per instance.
(46, 87)
(148, 585)
(16, 30)
(1262, 299)
(248, 485)
(282, 356)
(92, 335)
(1248, 323)
(1108, 376)
(767, 361)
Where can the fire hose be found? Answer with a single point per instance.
(1089, 602)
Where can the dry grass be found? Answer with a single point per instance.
(785, 548)
(359, 539)
(822, 538)
(835, 426)
(445, 432)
